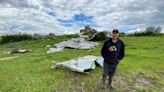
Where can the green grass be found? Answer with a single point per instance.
(31, 72)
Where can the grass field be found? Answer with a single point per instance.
(142, 69)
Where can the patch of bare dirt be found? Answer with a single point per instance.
(159, 72)
(121, 83)
(143, 80)
(118, 83)
(145, 83)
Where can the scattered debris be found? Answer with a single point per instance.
(47, 46)
(82, 64)
(53, 50)
(74, 43)
(99, 60)
(21, 51)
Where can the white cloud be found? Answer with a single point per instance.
(29, 21)
(31, 15)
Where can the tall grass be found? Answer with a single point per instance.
(31, 72)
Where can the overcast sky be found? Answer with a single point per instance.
(69, 16)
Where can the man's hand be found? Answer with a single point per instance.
(110, 49)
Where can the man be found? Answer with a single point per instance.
(112, 52)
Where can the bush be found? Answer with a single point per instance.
(100, 36)
(70, 36)
(15, 38)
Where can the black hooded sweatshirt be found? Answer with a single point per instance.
(112, 52)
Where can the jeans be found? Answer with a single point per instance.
(108, 70)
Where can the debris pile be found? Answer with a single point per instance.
(20, 51)
(74, 43)
(81, 64)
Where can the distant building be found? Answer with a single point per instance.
(88, 31)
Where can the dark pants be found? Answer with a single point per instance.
(108, 70)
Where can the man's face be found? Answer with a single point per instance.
(115, 35)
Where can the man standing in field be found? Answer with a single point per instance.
(112, 52)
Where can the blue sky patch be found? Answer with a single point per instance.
(66, 23)
(82, 17)
(126, 29)
(79, 20)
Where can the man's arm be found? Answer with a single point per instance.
(122, 52)
(103, 50)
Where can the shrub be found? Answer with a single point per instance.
(100, 36)
(15, 38)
